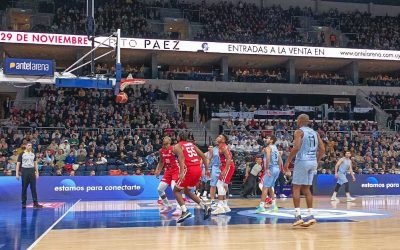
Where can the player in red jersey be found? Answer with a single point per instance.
(189, 158)
(227, 171)
(169, 162)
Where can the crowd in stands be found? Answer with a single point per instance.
(130, 16)
(243, 107)
(258, 75)
(189, 73)
(391, 105)
(378, 32)
(86, 132)
(386, 101)
(324, 78)
(134, 71)
(373, 151)
(246, 23)
(226, 21)
(383, 80)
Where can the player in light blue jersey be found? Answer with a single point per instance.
(215, 164)
(205, 180)
(272, 163)
(308, 149)
(341, 169)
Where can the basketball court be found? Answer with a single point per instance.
(369, 223)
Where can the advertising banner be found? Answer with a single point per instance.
(30, 67)
(362, 110)
(85, 188)
(274, 112)
(387, 184)
(236, 115)
(202, 47)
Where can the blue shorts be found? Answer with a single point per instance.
(269, 181)
(342, 179)
(303, 173)
(214, 177)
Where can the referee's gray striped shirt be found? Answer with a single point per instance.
(27, 159)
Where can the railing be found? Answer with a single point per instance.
(396, 122)
(381, 116)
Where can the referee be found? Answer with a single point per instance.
(252, 174)
(29, 173)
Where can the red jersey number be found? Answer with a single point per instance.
(191, 152)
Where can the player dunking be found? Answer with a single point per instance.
(272, 163)
(308, 149)
(227, 171)
(171, 173)
(189, 158)
(341, 168)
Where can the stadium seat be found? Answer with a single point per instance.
(111, 161)
(79, 173)
(101, 173)
(122, 167)
(90, 168)
(47, 169)
(86, 173)
(111, 167)
(101, 168)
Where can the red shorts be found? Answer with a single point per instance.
(191, 178)
(228, 176)
(171, 175)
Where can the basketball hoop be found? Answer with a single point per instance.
(131, 81)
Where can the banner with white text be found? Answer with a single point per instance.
(365, 184)
(203, 47)
(86, 188)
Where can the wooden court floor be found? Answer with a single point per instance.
(376, 226)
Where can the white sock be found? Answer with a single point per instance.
(297, 210)
(184, 209)
(220, 203)
(178, 207)
(334, 195)
(225, 203)
(205, 193)
(202, 205)
(166, 202)
(262, 204)
(348, 195)
(274, 203)
(310, 211)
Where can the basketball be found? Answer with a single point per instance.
(121, 98)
